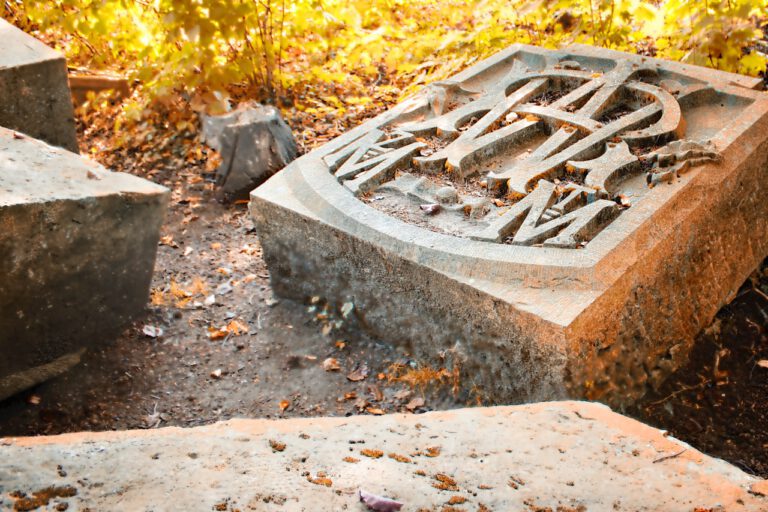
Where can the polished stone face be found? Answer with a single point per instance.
(576, 188)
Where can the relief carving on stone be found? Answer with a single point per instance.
(539, 155)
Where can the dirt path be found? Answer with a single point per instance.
(227, 348)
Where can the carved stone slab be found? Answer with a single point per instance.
(555, 223)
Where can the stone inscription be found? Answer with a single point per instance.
(545, 154)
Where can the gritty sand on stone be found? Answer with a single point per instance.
(571, 455)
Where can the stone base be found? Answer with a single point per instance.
(34, 91)
(78, 245)
(535, 296)
(566, 456)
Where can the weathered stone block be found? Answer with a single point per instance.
(34, 92)
(78, 248)
(254, 143)
(548, 456)
(556, 223)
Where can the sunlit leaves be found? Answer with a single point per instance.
(204, 48)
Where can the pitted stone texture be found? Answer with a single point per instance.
(34, 91)
(78, 247)
(581, 275)
(567, 456)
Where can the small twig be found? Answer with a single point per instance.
(86, 43)
(670, 456)
(681, 390)
(759, 292)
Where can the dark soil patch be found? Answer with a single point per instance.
(718, 402)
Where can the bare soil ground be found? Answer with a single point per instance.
(229, 349)
(718, 402)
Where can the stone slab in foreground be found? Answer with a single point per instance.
(554, 223)
(34, 91)
(77, 250)
(574, 455)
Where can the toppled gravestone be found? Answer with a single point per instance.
(551, 223)
(34, 92)
(565, 456)
(77, 246)
(254, 143)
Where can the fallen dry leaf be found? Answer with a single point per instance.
(331, 365)
(400, 458)
(320, 480)
(374, 410)
(623, 200)
(276, 446)
(374, 454)
(415, 404)
(217, 334)
(403, 394)
(379, 503)
(152, 331)
(376, 393)
(236, 327)
(430, 209)
(358, 374)
(763, 363)
(362, 404)
(168, 240)
(445, 483)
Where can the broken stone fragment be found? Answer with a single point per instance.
(254, 143)
(34, 92)
(77, 256)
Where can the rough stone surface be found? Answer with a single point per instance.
(254, 143)
(78, 247)
(568, 456)
(609, 205)
(34, 92)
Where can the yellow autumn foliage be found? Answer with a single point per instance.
(280, 49)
